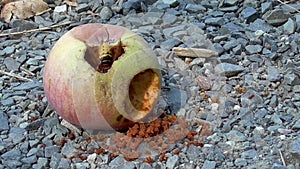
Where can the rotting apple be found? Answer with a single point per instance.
(112, 100)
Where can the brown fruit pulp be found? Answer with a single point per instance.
(144, 90)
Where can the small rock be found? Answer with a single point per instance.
(106, 13)
(240, 162)
(82, 165)
(29, 160)
(290, 26)
(68, 150)
(252, 49)
(28, 85)
(17, 134)
(50, 150)
(168, 32)
(273, 74)
(250, 154)
(172, 3)
(250, 14)
(204, 82)
(82, 7)
(11, 155)
(275, 17)
(251, 97)
(22, 24)
(169, 18)
(229, 9)
(120, 162)
(297, 125)
(170, 43)
(3, 124)
(60, 9)
(266, 6)
(295, 148)
(216, 21)
(230, 2)
(172, 161)
(8, 50)
(43, 162)
(11, 64)
(291, 79)
(259, 24)
(195, 8)
(230, 44)
(64, 163)
(236, 136)
(193, 152)
(229, 69)
(209, 164)
(145, 166)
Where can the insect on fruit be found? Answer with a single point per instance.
(108, 54)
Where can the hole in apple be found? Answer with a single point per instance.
(144, 91)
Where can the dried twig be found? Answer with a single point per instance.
(15, 76)
(282, 159)
(284, 3)
(35, 30)
(194, 52)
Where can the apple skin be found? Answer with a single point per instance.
(92, 100)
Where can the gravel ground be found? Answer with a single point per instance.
(249, 95)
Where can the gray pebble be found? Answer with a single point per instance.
(169, 18)
(290, 26)
(240, 162)
(3, 124)
(273, 74)
(230, 2)
(28, 85)
(170, 43)
(230, 44)
(195, 8)
(11, 163)
(29, 160)
(266, 6)
(209, 164)
(275, 17)
(11, 155)
(236, 136)
(172, 161)
(82, 7)
(250, 154)
(215, 21)
(8, 50)
(296, 125)
(229, 9)
(250, 14)
(145, 166)
(193, 152)
(120, 162)
(50, 150)
(106, 13)
(64, 163)
(43, 162)
(82, 165)
(11, 63)
(228, 69)
(259, 24)
(295, 148)
(251, 97)
(68, 150)
(168, 32)
(252, 49)
(17, 134)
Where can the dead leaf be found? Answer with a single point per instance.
(71, 2)
(23, 9)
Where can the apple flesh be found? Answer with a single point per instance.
(87, 98)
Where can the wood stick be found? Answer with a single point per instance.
(15, 76)
(35, 30)
(194, 52)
